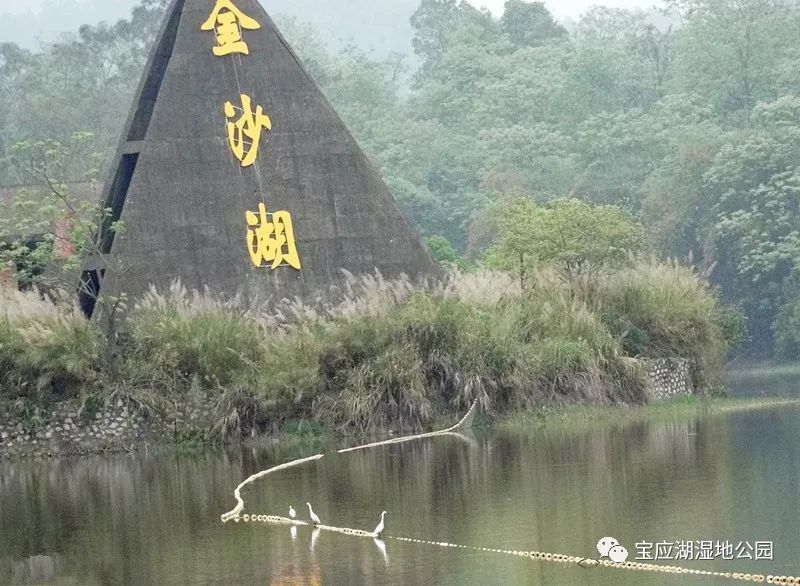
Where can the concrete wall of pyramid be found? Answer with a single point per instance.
(228, 129)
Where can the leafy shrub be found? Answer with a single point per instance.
(674, 310)
(732, 322)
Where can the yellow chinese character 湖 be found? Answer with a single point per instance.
(228, 21)
(248, 126)
(271, 241)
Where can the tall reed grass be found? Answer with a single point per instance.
(48, 351)
(378, 354)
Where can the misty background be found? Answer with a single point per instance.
(684, 116)
(379, 25)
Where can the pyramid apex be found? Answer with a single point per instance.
(235, 174)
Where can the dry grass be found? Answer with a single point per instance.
(48, 351)
(384, 354)
(18, 305)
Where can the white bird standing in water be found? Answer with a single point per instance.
(292, 512)
(379, 529)
(313, 515)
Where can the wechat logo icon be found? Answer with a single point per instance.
(608, 547)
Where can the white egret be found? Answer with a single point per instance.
(313, 515)
(292, 512)
(379, 529)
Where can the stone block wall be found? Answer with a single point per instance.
(669, 378)
(118, 427)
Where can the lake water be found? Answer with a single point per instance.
(770, 381)
(155, 519)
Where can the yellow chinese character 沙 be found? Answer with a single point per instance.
(271, 241)
(248, 126)
(228, 21)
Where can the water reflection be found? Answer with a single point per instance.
(155, 519)
(769, 381)
(38, 569)
(315, 538)
(381, 545)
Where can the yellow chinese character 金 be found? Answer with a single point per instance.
(228, 21)
(270, 238)
(248, 126)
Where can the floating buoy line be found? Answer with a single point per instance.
(238, 516)
(451, 431)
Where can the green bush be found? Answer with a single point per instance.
(444, 253)
(195, 337)
(665, 309)
(390, 355)
(48, 351)
(407, 365)
(732, 322)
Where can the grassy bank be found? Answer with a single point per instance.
(386, 355)
(581, 417)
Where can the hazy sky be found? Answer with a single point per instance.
(29, 21)
(570, 8)
(560, 8)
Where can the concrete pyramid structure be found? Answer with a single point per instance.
(235, 173)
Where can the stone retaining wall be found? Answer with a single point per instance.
(669, 378)
(114, 428)
(121, 428)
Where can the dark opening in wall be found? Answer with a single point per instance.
(155, 76)
(118, 192)
(87, 294)
(115, 200)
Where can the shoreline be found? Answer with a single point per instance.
(569, 419)
(578, 417)
(384, 355)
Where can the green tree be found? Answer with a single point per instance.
(48, 229)
(434, 23)
(572, 235)
(441, 249)
(444, 253)
(650, 46)
(529, 23)
(13, 61)
(687, 119)
(753, 232)
(82, 83)
(735, 53)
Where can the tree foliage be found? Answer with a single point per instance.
(48, 227)
(686, 119)
(529, 23)
(571, 235)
